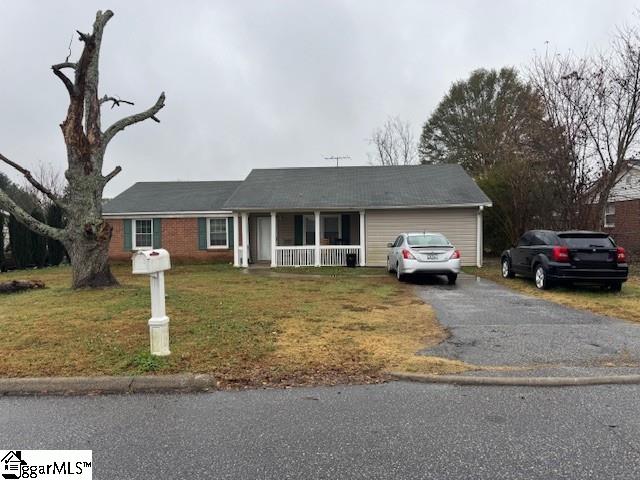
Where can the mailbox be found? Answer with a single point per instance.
(154, 263)
(151, 261)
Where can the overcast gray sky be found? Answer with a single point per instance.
(266, 83)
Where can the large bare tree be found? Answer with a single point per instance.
(394, 143)
(596, 101)
(86, 235)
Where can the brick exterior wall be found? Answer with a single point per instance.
(179, 237)
(627, 227)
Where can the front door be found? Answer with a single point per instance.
(264, 238)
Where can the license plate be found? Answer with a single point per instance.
(432, 256)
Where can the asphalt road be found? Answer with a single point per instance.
(493, 325)
(396, 431)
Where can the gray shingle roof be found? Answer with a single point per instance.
(356, 187)
(171, 197)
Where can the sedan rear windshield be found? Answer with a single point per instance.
(588, 242)
(428, 240)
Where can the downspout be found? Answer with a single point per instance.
(479, 237)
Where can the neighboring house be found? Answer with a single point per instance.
(301, 216)
(622, 213)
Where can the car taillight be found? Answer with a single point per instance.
(406, 254)
(455, 254)
(621, 256)
(560, 254)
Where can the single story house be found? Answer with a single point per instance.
(308, 216)
(622, 213)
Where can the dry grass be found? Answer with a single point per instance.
(245, 329)
(625, 305)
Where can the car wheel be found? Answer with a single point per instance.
(541, 279)
(399, 275)
(506, 269)
(616, 286)
(452, 277)
(389, 269)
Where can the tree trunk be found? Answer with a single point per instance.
(89, 256)
(86, 235)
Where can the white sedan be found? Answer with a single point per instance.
(427, 253)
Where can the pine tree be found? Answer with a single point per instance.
(55, 248)
(20, 238)
(38, 242)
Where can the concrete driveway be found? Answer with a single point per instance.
(494, 326)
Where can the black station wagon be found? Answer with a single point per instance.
(567, 257)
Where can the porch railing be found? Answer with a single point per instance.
(336, 255)
(304, 256)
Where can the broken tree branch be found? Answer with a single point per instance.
(31, 223)
(19, 285)
(116, 101)
(112, 174)
(27, 174)
(132, 119)
(57, 71)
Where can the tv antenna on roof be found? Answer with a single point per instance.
(337, 159)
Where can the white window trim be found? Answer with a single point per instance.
(133, 234)
(226, 234)
(311, 219)
(613, 214)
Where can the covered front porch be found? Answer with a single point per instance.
(298, 239)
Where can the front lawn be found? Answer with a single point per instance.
(245, 329)
(625, 305)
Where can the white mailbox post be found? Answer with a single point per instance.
(154, 263)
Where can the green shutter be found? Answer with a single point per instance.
(346, 228)
(157, 233)
(297, 235)
(126, 224)
(230, 231)
(202, 233)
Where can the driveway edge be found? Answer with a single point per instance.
(106, 384)
(518, 381)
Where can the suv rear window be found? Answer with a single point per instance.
(428, 240)
(588, 242)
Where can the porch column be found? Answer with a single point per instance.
(274, 263)
(317, 252)
(245, 239)
(479, 237)
(236, 241)
(363, 252)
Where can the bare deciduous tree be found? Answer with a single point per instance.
(394, 143)
(48, 176)
(86, 235)
(596, 101)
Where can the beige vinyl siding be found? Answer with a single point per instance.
(459, 225)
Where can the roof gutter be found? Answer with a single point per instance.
(190, 214)
(339, 209)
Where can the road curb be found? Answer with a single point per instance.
(106, 384)
(519, 381)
